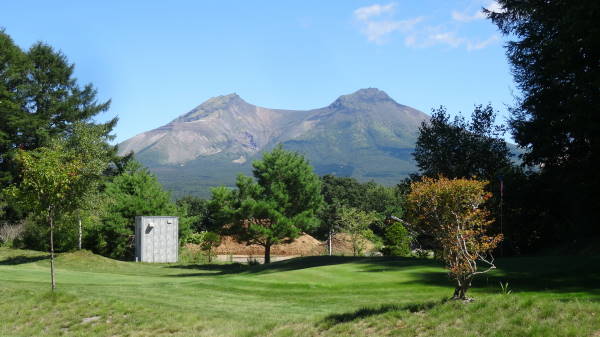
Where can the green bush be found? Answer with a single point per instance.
(396, 240)
(191, 256)
(194, 238)
(134, 192)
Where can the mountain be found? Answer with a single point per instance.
(366, 135)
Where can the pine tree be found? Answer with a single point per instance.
(282, 202)
(40, 100)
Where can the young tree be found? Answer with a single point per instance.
(341, 192)
(90, 142)
(337, 192)
(356, 223)
(282, 202)
(210, 241)
(451, 210)
(47, 180)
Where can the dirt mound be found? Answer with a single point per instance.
(342, 245)
(304, 245)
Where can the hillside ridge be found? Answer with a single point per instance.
(365, 134)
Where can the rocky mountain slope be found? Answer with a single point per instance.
(366, 135)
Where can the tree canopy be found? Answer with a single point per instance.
(461, 149)
(554, 50)
(282, 202)
(49, 179)
(133, 193)
(453, 211)
(40, 101)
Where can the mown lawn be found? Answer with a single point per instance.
(313, 296)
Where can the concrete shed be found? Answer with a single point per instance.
(156, 238)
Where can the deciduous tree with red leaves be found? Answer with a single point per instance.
(452, 210)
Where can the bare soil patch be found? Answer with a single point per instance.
(304, 245)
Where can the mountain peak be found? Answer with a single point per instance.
(361, 97)
(217, 103)
(223, 100)
(370, 93)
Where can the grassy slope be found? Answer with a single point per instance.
(317, 296)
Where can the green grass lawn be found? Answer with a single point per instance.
(313, 296)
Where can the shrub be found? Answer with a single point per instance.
(396, 240)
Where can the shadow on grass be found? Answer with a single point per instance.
(373, 264)
(555, 274)
(15, 260)
(574, 274)
(362, 313)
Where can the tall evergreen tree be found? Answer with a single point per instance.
(40, 100)
(554, 48)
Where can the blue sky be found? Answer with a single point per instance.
(159, 59)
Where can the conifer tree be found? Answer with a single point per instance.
(282, 202)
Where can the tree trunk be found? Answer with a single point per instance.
(267, 253)
(209, 255)
(460, 292)
(53, 281)
(80, 234)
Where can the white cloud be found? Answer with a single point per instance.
(437, 36)
(375, 31)
(448, 38)
(365, 13)
(495, 7)
(471, 45)
(376, 28)
(378, 21)
(463, 16)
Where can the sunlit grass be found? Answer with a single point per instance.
(314, 296)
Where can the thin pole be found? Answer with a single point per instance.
(80, 233)
(52, 280)
(330, 241)
(501, 215)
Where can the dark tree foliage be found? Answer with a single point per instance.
(475, 148)
(461, 149)
(555, 53)
(135, 192)
(369, 196)
(339, 192)
(197, 209)
(554, 50)
(39, 100)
